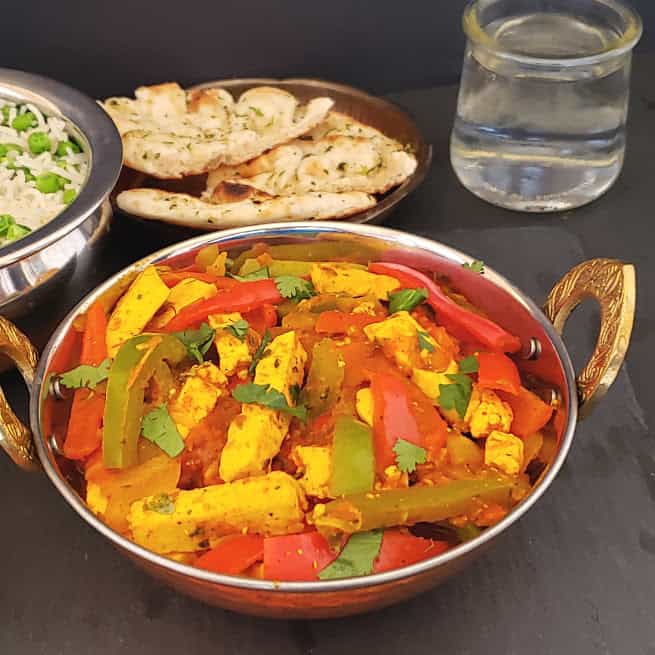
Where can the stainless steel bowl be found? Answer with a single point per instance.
(30, 267)
(610, 282)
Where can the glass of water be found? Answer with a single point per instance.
(543, 100)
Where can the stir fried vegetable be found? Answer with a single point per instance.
(296, 412)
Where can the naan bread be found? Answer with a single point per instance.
(339, 155)
(243, 206)
(170, 133)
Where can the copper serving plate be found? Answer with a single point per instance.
(611, 283)
(377, 112)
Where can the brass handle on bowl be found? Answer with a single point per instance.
(15, 437)
(612, 284)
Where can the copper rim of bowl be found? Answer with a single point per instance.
(285, 230)
(88, 122)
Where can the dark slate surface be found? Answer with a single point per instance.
(576, 575)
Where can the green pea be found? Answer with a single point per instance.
(6, 148)
(48, 183)
(24, 121)
(38, 142)
(63, 147)
(3, 150)
(17, 231)
(6, 220)
(69, 195)
(5, 114)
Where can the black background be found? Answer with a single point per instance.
(111, 46)
(576, 576)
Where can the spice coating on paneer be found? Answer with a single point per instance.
(198, 396)
(255, 436)
(233, 353)
(504, 451)
(343, 278)
(315, 462)
(135, 309)
(186, 521)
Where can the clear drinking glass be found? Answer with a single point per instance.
(543, 100)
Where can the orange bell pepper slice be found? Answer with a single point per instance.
(498, 371)
(233, 555)
(530, 412)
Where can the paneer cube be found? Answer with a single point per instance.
(198, 396)
(186, 521)
(330, 277)
(364, 405)
(135, 309)
(255, 436)
(430, 381)
(398, 336)
(95, 499)
(316, 464)
(189, 291)
(486, 413)
(504, 451)
(233, 353)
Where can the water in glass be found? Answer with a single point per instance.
(541, 137)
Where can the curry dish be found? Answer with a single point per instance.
(295, 413)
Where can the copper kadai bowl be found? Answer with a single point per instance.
(609, 282)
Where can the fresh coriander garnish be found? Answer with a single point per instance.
(406, 299)
(86, 375)
(158, 426)
(263, 394)
(357, 557)
(476, 266)
(469, 364)
(259, 353)
(294, 288)
(424, 342)
(197, 342)
(239, 328)
(408, 455)
(457, 394)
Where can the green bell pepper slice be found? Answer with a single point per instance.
(324, 379)
(353, 458)
(384, 509)
(135, 364)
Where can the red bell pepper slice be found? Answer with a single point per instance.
(83, 435)
(296, 557)
(392, 418)
(336, 322)
(233, 555)
(400, 412)
(498, 371)
(530, 412)
(262, 318)
(400, 549)
(244, 297)
(480, 329)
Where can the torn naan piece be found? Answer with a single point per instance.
(241, 207)
(169, 133)
(339, 155)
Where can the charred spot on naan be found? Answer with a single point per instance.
(236, 192)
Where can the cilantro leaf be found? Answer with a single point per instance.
(262, 394)
(197, 342)
(161, 503)
(86, 375)
(406, 299)
(424, 342)
(258, 274)
(259, 353)
(294, 288)
(158, 426)
(239, 328)
(469, 365)
(356, 558)
(476, 266)
(408, 455)
(456, 395)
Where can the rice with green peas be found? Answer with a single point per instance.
(42, 169)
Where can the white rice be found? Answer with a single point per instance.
(20, 198)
